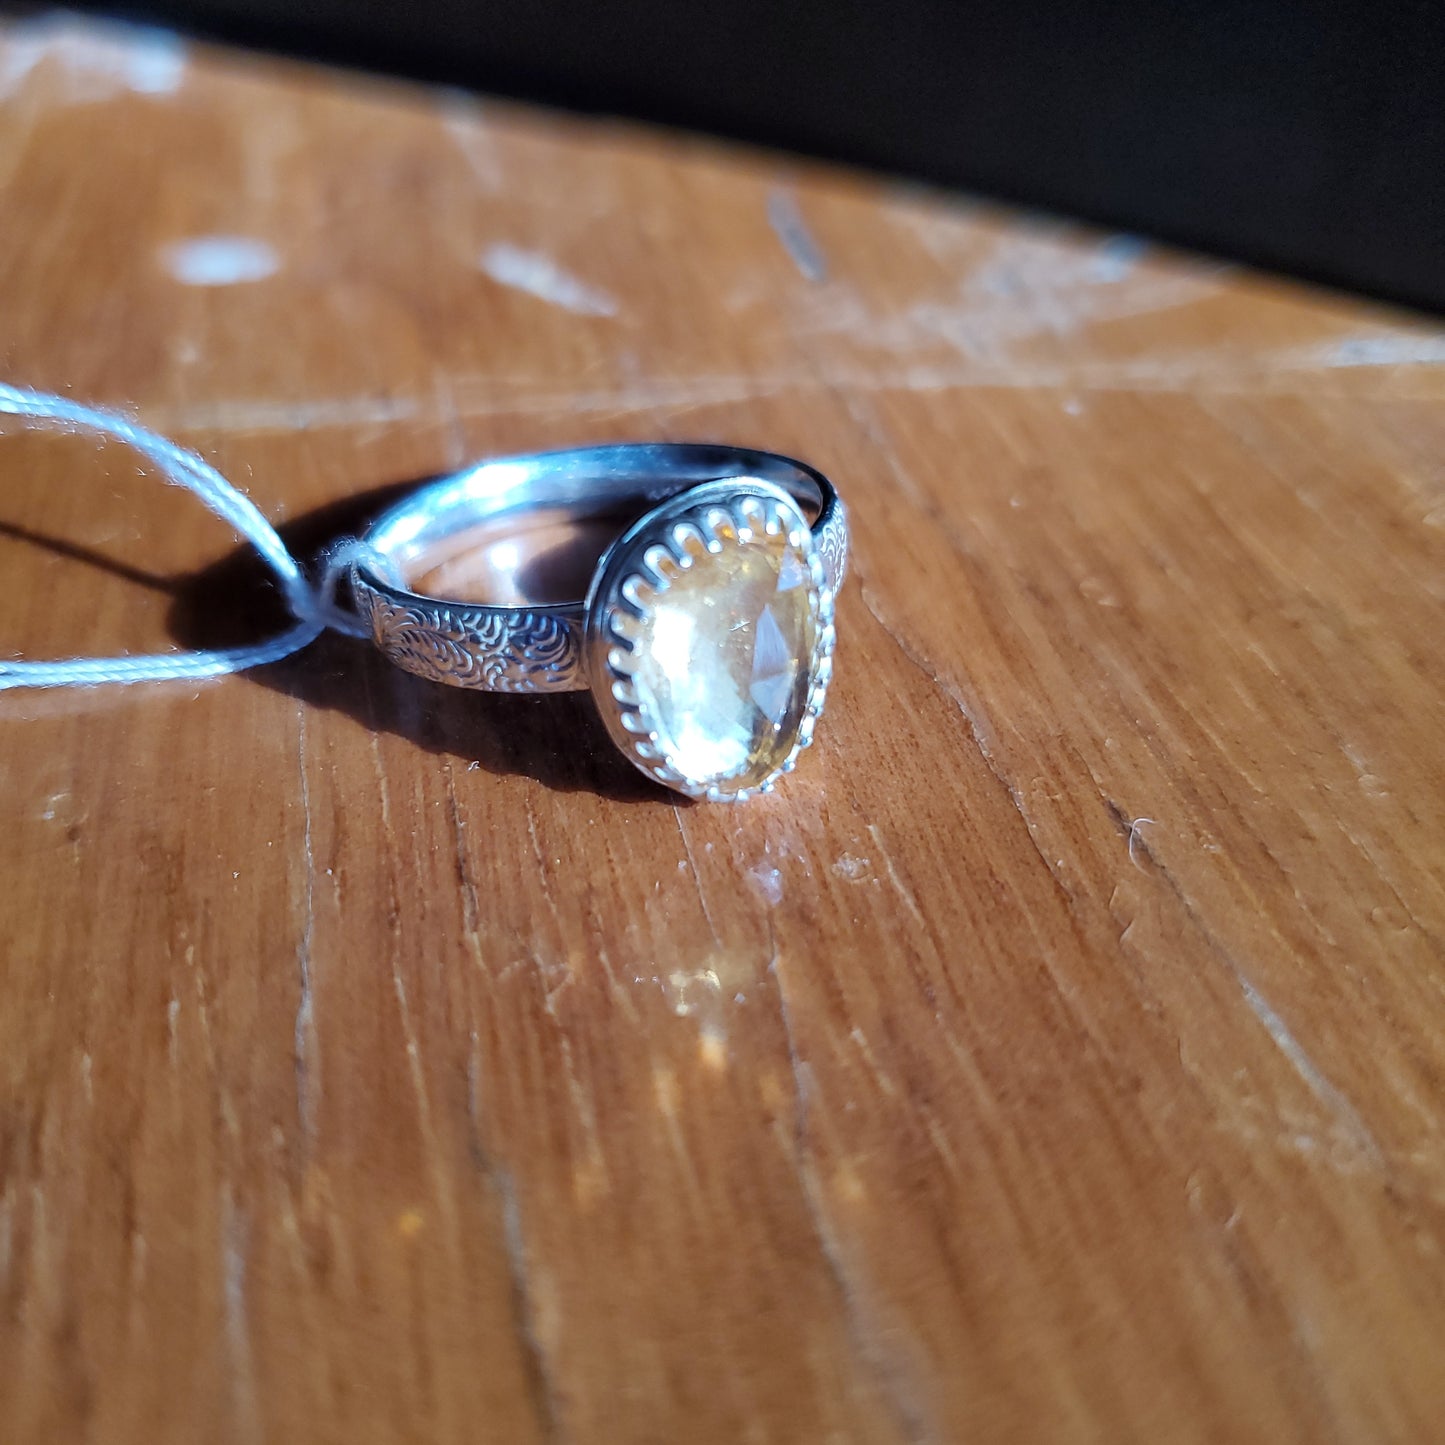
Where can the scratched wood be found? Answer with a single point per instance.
(1058, 1056)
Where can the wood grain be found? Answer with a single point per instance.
(1058, 1056)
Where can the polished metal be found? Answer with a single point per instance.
(520, 643)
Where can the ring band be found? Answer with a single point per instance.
(706, 634)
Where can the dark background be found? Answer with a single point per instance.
(1307, 137)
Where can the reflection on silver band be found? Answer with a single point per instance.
(539, 648)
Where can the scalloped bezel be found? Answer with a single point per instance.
(639, 567)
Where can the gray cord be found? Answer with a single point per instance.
(314, 607)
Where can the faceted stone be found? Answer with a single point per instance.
(724, 657)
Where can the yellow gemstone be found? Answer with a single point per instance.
(724, 659)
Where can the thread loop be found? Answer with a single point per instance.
(314, 606)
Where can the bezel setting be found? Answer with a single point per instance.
(638, 570)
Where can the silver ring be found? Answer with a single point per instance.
(706, 634)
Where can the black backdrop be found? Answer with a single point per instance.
(1305, 135)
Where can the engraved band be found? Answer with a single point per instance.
(532, 649)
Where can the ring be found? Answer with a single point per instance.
(706, 634)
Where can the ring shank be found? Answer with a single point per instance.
(538, 648)
(589, 481)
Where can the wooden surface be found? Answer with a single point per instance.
(1058, 1056)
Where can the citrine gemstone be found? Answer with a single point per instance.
(723, 660)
